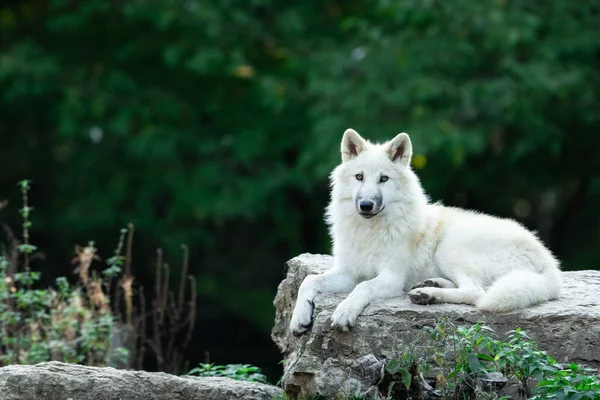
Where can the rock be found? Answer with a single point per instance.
(327, 362)
(59, 381)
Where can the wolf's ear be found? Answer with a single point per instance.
(400, 149)
(352, 145)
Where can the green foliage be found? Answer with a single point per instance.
(56, 323)
(75, 323)
(51, 324)
(522, 358)
(242, 372)
(402, 366)
(25, 247)
(475, 350)
(570, 383)
(115, 263)
(466, 355)
(401, 379)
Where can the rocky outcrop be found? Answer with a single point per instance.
(59, 381)
(327, 362)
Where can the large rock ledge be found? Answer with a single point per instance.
(328, 362)
(59, 381)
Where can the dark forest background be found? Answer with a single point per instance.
(216, 123)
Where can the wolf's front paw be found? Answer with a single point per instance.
(423, 296)
(344, 316)
(302, 317)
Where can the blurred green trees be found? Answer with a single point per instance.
(215, 123)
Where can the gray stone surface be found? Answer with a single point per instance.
(326, 361)
(59, 381)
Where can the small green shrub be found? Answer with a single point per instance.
(62, 323)
(465, 355)
(103, 319)
(521, 358)
(242, 372)
(570, 383)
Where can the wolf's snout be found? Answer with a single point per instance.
(366, 206)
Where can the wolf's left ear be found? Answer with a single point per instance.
(400, 149)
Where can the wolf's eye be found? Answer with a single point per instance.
(359, 177)
(383, 178)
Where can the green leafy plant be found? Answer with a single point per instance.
(464, 356)
(521, 358)
(25, 248)
(570, 383)
(65, 323)
(403, 372)
(95, 320)
(242, 372)
(405, 366)
(475, 352)
(461, 354)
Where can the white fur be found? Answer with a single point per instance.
(493, 263)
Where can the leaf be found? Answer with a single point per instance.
(406, 377)
(393, 366)
(474, 364)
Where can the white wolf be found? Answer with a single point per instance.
(388, 239)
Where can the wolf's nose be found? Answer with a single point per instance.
(366, 206)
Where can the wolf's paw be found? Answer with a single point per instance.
(423, 296)
(302, 317)
(344, 316)
(435, 282)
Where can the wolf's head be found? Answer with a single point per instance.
(376, 177)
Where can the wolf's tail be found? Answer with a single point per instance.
(521, 288)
